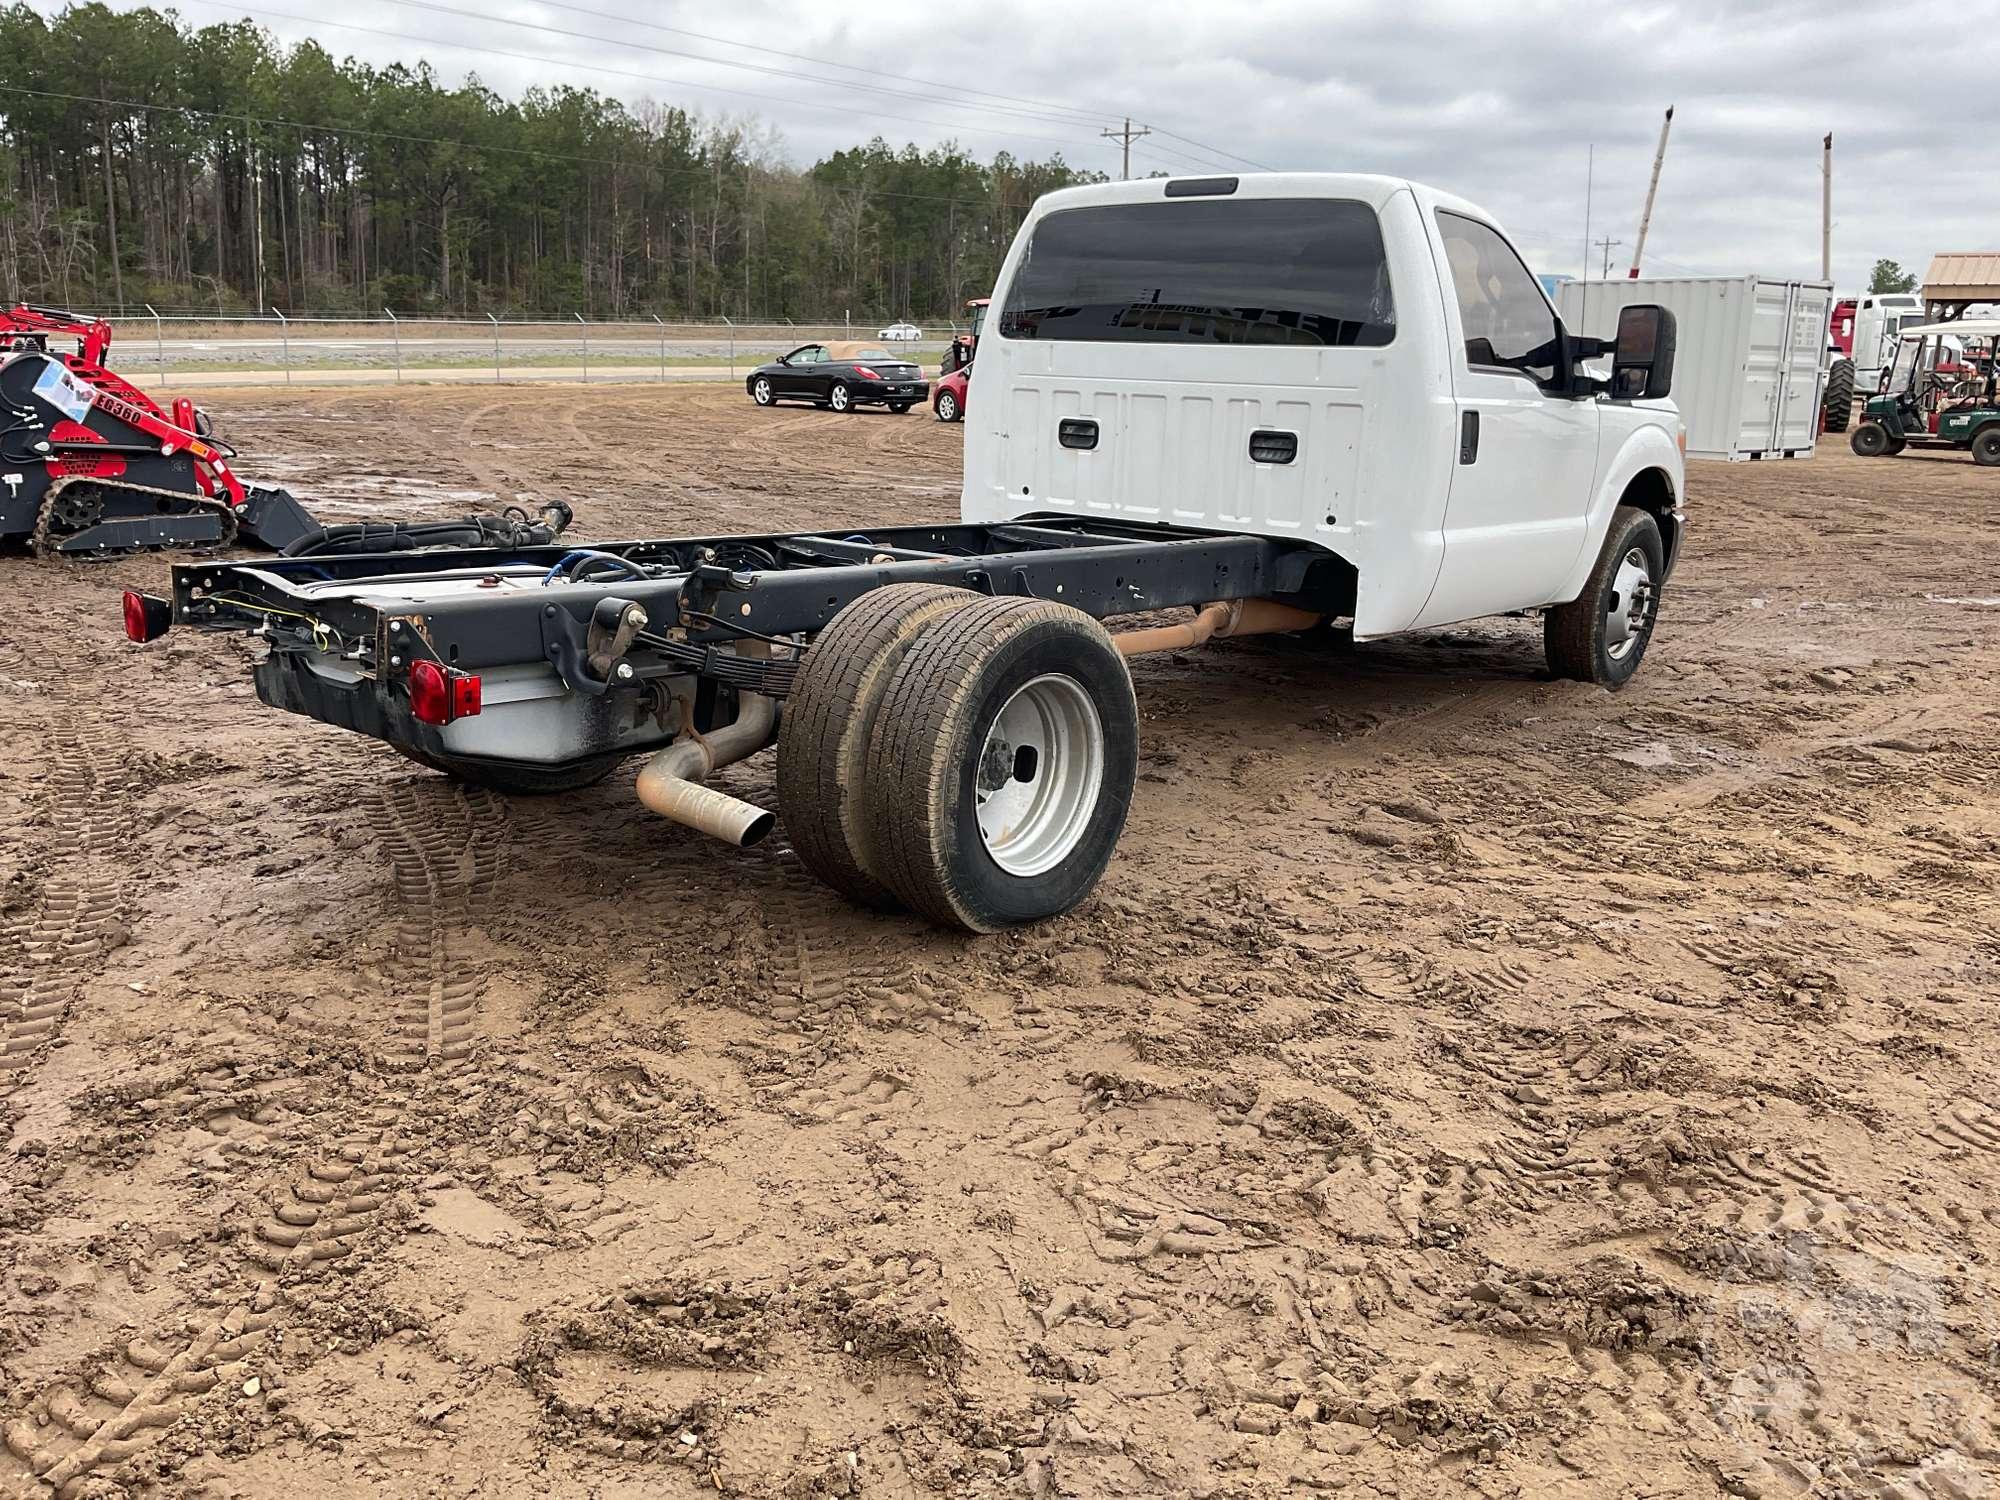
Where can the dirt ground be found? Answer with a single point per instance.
(1461, 1081)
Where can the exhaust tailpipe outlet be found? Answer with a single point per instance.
(671, 785)
(703, 808)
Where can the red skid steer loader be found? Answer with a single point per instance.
(91, 466)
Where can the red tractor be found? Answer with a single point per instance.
(1836, 401)
(965, 345)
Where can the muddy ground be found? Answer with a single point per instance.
(1461, 1080)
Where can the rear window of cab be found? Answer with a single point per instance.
(1206, 271)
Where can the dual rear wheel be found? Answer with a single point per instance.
(968, 758)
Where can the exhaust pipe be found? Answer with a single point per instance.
(671, 785)
(1223, 621)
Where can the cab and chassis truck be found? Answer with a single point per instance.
(1329, 404)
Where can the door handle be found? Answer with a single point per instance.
(1268, 447)
(1468, 438)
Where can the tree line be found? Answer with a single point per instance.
(142, 161)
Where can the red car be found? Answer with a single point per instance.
(948, 401)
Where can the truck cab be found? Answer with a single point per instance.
(1359, 362)
(1879, 319)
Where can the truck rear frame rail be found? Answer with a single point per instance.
(476, 608)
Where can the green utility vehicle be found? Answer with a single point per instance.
(1938, 393)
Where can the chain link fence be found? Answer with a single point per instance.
(191, 345)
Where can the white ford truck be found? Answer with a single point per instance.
(1292, 402)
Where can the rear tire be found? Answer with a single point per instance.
(1986, 447)
(518, 781)
(824, 771)
(1005, 754)
(1602, 635)
(840, 398)
(1837, 406)
(899, 407)
(1870, 440)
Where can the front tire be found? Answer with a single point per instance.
(825, 777)
(947, 407)
(1986, 447)
(1602, 635)
(762, 393)
(1870, 440)
(840, 398)
(1006, 752)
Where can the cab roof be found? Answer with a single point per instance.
(1362, 187)
(1978, 328)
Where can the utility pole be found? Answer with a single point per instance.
(1128, 135)
(257, 211)
(1652, 190)
(1591, 175)
(1607, 245)
(1826, 209)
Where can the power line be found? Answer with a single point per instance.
(544, 61)
(1215, 150)
(957, 90)
(1045, 109)
(724, 62)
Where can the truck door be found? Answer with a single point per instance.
(1521, 488)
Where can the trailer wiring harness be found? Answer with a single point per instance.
(513, 527)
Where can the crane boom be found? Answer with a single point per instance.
(1652, 190)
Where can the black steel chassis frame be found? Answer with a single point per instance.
(729, 589)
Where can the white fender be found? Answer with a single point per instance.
(1654, 444)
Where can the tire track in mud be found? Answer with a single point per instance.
(335, 1198)
(469, 455)
(446, 849)
(71, 1432)
(1425, 726)
(828, 958)
(58, 942)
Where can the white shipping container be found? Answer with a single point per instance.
(1749, 357)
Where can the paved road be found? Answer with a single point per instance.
(386, 375)
(135, 348)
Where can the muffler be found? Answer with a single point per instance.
(671, 785)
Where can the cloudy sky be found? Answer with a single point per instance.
(1498, 102)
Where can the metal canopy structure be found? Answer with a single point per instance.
(1958, 279)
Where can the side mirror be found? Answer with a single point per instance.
(1642, 361)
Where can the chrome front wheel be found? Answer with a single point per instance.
(1628, 604)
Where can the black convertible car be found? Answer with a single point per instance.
(842, 376)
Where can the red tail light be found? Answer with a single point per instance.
(865, 373)
(146, 618)
(438, 695)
